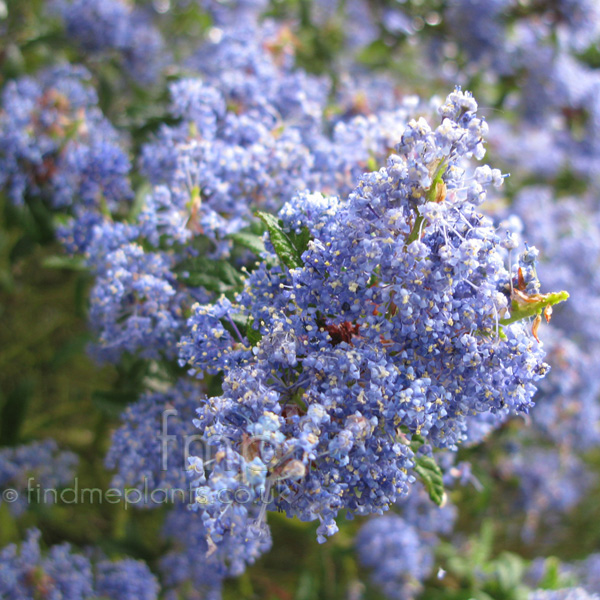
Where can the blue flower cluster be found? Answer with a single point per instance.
(537, 64)
(399, 549)
(103, 26)
(56, 145)
(398, 556)
(355, 20)
(181, 565)
(150, 453)
(37, 463)
(565, 422)
(150, 448)
(540, 56)
(252, 130)
(227, 13)
(388, 320)
(397, 317)
(564, 594)
(498, 34)
(550, 484)
(137, 304)
(27, 572)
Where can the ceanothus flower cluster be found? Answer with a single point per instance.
(393, 548)
(38, 463)
(149, 453)
(195, 558)
(100, 27)
(371, 321)
(149, 448)
(399, 548)
(27, 572)
(251, 132)
(137, 304)
(55, 143)
(550, 483)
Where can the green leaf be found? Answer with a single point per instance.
(375, 54)
(307, 586)
(300, 240)
(483, 544)
(208, 282)
(71, 263)
(524, 305)
(22, 248)
(416, 441)
(53, 38)
(142, 192)
(113, 402)
(13, 62)
(13, 410)
(252, 242)
(372, 164)
(229, 274)
(554, 578)
(284, 247)
(214, 275)
(510, 569)
(551, 579)
(431, 476)
(437, 184)
(70, 350)
(254, 335)
(9, 532)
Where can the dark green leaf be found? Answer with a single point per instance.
(53, 38)
(22, 248)
(300, 240)
(217, 276)
(416, 441)
(431, 477)
(252, 242)
(113, 403)
(9, 532)
(208, 282)
(287, 253)
(13, 63)
(13, 412)
(70, 350)
(229, 273)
